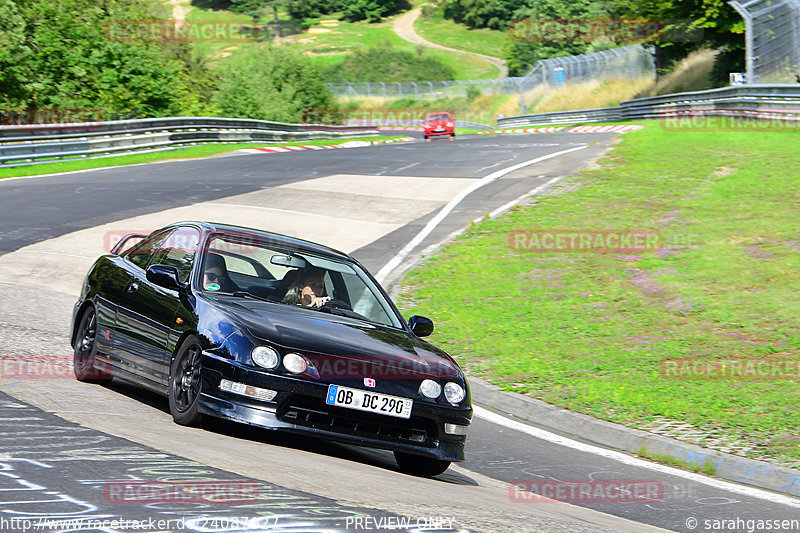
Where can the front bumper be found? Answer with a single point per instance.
(432, 133)
(300, 407)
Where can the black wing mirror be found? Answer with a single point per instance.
(420, 326)
(164, 276)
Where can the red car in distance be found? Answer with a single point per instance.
(439, 123)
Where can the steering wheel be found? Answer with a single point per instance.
(337, 303)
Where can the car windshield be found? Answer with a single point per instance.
(438, 116)
(256, 266)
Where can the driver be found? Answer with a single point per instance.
(308, 289)
(215, 275)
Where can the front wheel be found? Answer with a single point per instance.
(420, 466)
(83, 361)
(184, 383)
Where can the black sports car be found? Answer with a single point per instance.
(270, 331)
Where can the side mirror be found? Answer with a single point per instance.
(164, 276)
(420, 326)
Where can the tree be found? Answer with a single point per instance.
(689, 25)
(87, 55)
(273, 83)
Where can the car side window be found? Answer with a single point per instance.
(141, 254)
(178, 250)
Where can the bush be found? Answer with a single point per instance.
(81, 55)
(272, 83)
(371, 10)
(385, 63)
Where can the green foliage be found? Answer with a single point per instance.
(79, 55)
(494, 14)
(303, 9)
(688, 26)
(386, 63)
(371, 10)
(273, 83)
(353, 10)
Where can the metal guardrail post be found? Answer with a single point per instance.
(748, 38)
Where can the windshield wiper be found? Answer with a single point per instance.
(340, 312)
(245, 294)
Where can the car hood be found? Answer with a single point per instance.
(339, 344)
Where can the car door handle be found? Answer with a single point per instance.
(133, 287)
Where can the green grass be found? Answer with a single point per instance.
(704, 467)
(222, 32)
(194, 152)
(330, 47)
(439, 30)
(590, 331)
(324, 49)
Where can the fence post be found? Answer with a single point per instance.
(748, 38)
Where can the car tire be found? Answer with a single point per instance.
(417, 465)
(426, 137)
(83, 362)
(185, 384)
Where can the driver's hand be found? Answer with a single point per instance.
(319, 302)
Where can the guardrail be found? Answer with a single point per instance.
(776, 102)
(412, 123)
(43, 143)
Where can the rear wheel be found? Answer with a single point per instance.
(83, 361)
(420, 466)
(184, 383)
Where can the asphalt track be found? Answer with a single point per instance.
(116, 433)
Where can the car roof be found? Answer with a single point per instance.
(300, 244)
(438, 113)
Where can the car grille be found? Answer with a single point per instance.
(311, 412)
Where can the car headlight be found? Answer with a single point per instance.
(454, 393)
(295, 363)
(430, 389)
(265, 357)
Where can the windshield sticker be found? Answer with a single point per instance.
(212, 287)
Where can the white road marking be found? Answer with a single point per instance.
(512, 203)
(441, 215)
(633, 461)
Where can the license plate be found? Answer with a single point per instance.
(439, 129)
(372, 402)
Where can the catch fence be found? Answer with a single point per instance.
(627, 62)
